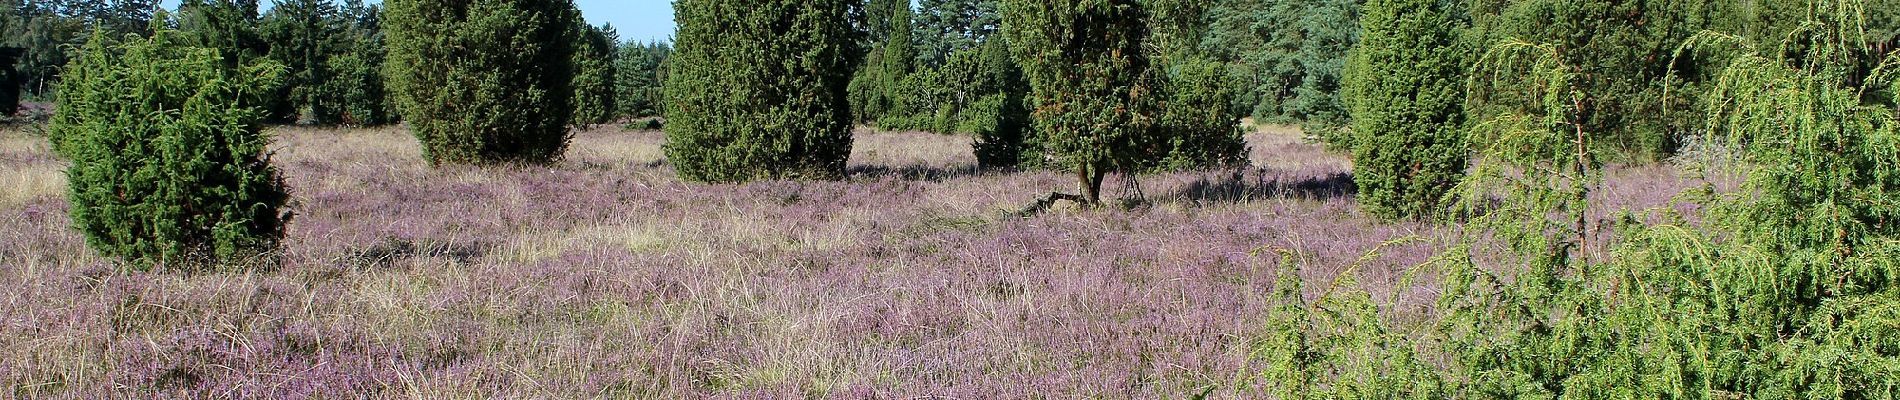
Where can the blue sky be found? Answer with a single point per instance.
(637, 20)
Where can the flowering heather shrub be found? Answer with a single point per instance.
(606, 276)
(484, 81)
(167, 152)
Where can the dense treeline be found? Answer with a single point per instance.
(334, 51)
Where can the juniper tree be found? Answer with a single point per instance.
(483, 81)
(358, 83)
(1781, 288)
(169, 163)
(1197, 126)
(1091, 84)
(997, 118)
(1405, 90)
(757, 89)
(231, 26)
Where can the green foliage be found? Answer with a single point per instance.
(1092, 88)
(642, 71)
(998, 118)
(757, 89)
(594, 74)
(168, 156)
(946, 27)
(49, 30)
(1338, 346)
(358, 82)
(1405, 90)
(1622, 52)
(1287, 57)
(304, 35)
(888, 94)
(1783, 288)
(43, 36)
(1196, 129)
(231, 26)
(484, 81)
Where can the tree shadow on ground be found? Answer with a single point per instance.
(924, 173)
(1257, 185)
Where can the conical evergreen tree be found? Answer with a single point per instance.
(757, 89)
(1405, 90)
(484, 81)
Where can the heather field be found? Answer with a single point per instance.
(604, 276)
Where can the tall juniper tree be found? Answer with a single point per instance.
(304, 35)
(484, 81)
(594, 75)
(1405, 90)
(1091, 84)
(757, 89)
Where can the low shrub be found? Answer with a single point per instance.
(169, 163)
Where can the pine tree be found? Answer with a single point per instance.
(945, 27)
(594, 75)
(1405, 89)
(1287, 57)
(641, 69)
(305, 35)
(484, 81)
(757, 89)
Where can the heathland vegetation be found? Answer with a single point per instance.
(1579, 199)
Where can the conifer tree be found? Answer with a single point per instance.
(358, 83)
(304, 35)
(1405, 90)
(484, 81)
(640, 69)
(757, 89)
(168, 153)
(594, 75)
(1090, 78)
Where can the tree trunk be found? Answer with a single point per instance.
(1091, 180)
